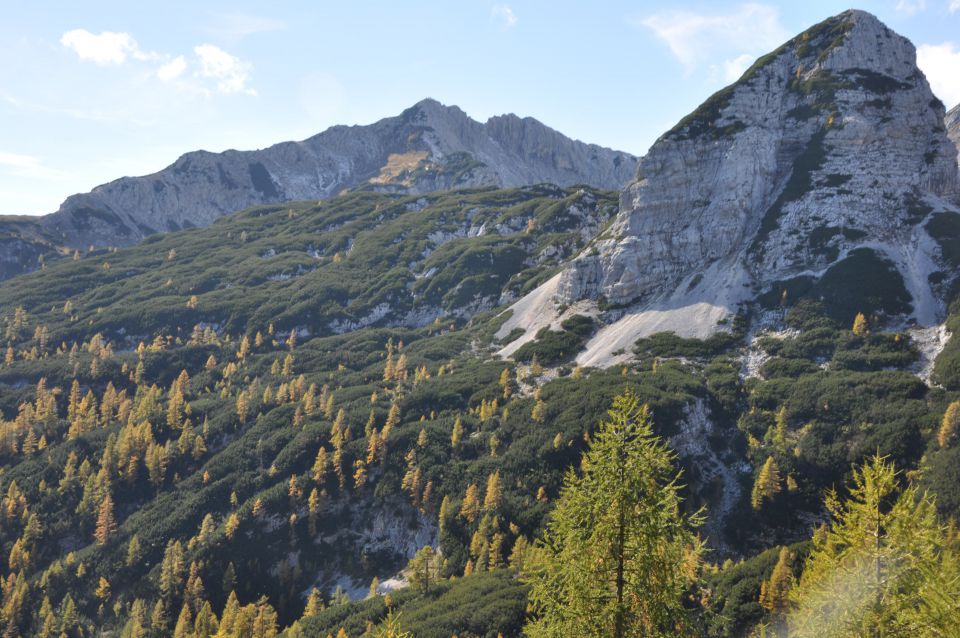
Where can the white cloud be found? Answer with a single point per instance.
(939, 62)
(911, 7)
(172, 69)
(733, 69)
(695, 38)
(505, 14)
(954, 6)
(230, 72)
(102, 48)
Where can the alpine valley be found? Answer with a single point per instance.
(311, 389)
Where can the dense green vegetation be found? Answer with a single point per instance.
(186, 435)
(356, 260)
(557, 346)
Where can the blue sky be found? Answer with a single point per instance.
(94, 90)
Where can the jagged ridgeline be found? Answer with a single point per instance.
(428, 147)
(253, 427)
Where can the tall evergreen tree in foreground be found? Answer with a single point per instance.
(886, 567)
(618, 553)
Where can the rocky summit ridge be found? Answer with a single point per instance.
(428, 147)
(828, 156)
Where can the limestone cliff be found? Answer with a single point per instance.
(830, 148)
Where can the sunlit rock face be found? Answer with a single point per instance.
(428, 147)
(832, 142)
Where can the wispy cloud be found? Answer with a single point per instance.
(696, 38)
(954, 6)
(18, 161)
(236, 26)
(230, 72)
(939, 62)
(911, 7)
(506, 16)
(27, 166)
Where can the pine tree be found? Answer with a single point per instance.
(885, 567)
(265, 620)
(457, 434)
(424, 569)
(390, 628)
(494, 494)
(106, 523)
(159, 621)
(949, 424)
(618, 553)
(314, 603)
(767, 483)
(184, 626)
(860, 325)
(205, 624)
(774, 593)
(136, 625)
(470, 507)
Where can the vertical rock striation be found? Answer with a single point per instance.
(829, 144)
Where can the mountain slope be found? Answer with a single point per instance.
(426, 148)
(362, 259)
(827, 160)
(953, 127)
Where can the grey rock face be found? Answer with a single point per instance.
(428, 147)
(834, 141)
(953, 127)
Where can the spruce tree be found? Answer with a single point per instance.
(618, 553)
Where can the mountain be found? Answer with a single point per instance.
(322, 268)
(254, 426)
(826, 163)
(953, 126)
(428, 147)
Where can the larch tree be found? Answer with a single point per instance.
(949, 424)
(106, 523)
(618, 553)
(860, 325)
(775, 592)
(767, 483)
(885, 567)
(424, 569)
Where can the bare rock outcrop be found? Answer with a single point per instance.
(428, 147)
(832, 145)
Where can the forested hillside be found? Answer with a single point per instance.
(182, 439)
(457, 413)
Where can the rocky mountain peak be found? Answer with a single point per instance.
(829, 149)
(428, 147)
